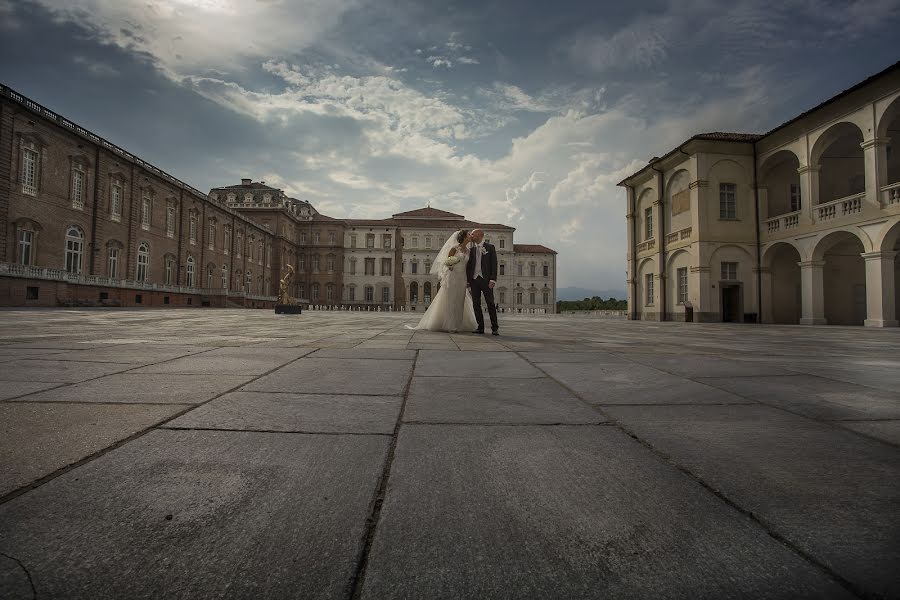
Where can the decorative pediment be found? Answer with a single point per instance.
(26, 223)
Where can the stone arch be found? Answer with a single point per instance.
(888, 132)
(843, 276)
(678, 259)
(729, 176)
(782, 296)
(733, 282)
(780, 178)
(645, 267)
(644, 201)
(839, 156)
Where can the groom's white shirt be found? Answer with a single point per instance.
(477, 273)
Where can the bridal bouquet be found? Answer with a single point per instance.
(451, 260)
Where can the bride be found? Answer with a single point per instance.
(451, 309)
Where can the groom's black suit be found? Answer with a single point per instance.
(480, 286)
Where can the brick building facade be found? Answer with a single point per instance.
(85, 222)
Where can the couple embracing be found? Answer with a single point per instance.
(467, 270)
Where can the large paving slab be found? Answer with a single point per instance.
(337, 376)
(13, 389)
(150, 388)
(815, 397)
(888, 431)
(829, 491)
(38, 439)
(201, 514)
(634, 384)
(229, 361)
(565, 512)
(595, 357)
(256, 411)
(56, 371)
(703, 365)
(474, 365)
(363, 351)
(494, 400)
(129, 353)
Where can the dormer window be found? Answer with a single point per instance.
(231, 197)
(267, 198)
(248, 198)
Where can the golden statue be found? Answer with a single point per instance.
(284, 296)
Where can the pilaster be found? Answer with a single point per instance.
(880, 289)
(809, 191)
(812, 292)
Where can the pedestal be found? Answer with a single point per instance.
(288, 309)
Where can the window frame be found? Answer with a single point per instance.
(74, 254)
(681, 279)
(24, 247)
(112, 262)
(649, 290)
(142, 263)
(728, 202)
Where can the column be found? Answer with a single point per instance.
(874, 151)
(812, 292)
(766, 313)
(880, 294)
(809, 192)
(631, 257)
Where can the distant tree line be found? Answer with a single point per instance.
(595, 303)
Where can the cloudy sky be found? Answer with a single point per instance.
(524, 112)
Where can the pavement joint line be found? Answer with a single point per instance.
(25, 569)
(358, 578)
(769, 530)
(321, 393)
(95, 455)
(100, 402)
(65, 383)
(277, 431)
(61, 384)
(505, 424)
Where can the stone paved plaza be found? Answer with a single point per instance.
(235, 453)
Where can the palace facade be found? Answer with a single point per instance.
(85, 222)
(799, 225)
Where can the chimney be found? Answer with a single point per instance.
(246, 181)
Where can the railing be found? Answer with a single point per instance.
(840, 208)
(677, 236)
(648, 245)
(890, 194)
(48, 274)
(785, 221)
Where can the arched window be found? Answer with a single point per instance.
(414, 292)
(426, 292)
(224, 277)
(169, 277)
(190, 272)
(74, 249)
(143, 261)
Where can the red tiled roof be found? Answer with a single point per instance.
(533, 249)
(427, 213)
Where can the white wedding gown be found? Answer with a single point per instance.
(451, 309)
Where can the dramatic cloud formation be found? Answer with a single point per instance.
(518, 112)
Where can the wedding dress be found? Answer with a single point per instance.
(451, 309)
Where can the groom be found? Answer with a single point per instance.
(482, 274)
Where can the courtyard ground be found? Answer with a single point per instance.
(236, 453)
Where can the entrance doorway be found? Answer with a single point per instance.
(731, 303)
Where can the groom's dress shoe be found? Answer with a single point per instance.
(495, 332)
(479, 331)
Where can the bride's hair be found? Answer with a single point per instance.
(461, 235)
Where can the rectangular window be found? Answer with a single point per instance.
(227, 248)
(315, 263)
(301, 290)
(648, 223)
(427, 266)
(518, 297)
(795, 197)
(546, 297)
(415, 242)
(353, 241)
(370, 240)
(352, 294)
(170, 221)
(193, 229)
(115, 202)
(502, 244)
(520, 269)
(531, 270)
(331, 238)
(329, 291)
(302, 237)
(170, 271)
(648, 286)
(729, 271)
(403, 267)
(385, 295)
(727, 201)
(386, 242)
(301, 263)
(316, 237)
(353, 266)
(385, 266)
(682, 285)
(77, 188)
(531, 298)
(502, 294)
(414, 267)
(112, 263)
(31, 293)
(145, 212)
(503, 268)
(329, 264)
(212, 236)
(546, 271)
(370, 266)
(428, 242)
(29, 171)
(26, 246)
(370, 293)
